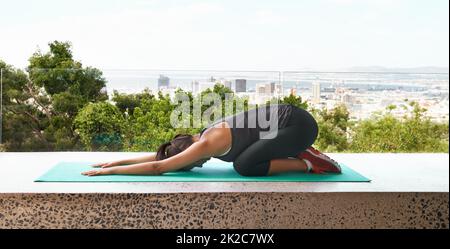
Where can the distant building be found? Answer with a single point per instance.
(261, 89)
(329, 89)
(195, 86)
(163, 82)
(272, 87)
(293, 91)
(348, 98)
(316, 92)
(241, 85)
(278, 89)
(268, 89)
(265, 92)
(203, 86)
(227, 83)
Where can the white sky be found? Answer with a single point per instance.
(231, 34)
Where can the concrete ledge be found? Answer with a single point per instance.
(407, 191)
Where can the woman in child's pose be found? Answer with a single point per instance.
(237, 139)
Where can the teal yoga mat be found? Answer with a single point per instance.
(210, 172)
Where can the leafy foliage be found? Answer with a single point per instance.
(295, 101)
(334, 125)
(41, 103)
(414, 133)
(25, 112)
(100, 126)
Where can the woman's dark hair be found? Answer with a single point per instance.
(178, 144)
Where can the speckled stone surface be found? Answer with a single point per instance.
(225, 210)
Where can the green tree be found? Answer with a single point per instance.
(128, 102)
(100, 126)
(150, 123)
(295, 101)
(25, 112)
(41, 103)
(207, 97)
(58, 72)
(69, 86)
(333, 128)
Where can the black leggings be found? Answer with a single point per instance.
(299, 133)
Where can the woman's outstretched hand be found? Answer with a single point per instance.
(104, 165)
(148, 168)
(98, 172)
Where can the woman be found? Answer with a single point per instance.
(234, 139)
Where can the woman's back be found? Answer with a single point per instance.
(250, 126)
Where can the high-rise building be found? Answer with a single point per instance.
(278, 89)
(316, 92)
(241, 85)
(163, 82)
(195, 86)
(272, 87)
(269, 89)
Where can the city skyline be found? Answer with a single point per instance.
(363, 94)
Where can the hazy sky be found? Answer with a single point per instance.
(231, 34)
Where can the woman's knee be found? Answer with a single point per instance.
(242, 169)
(248, 169)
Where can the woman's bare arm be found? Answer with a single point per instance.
(147, 158)
(195, 152)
